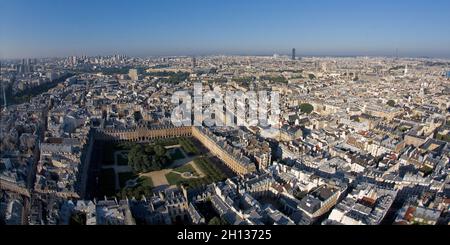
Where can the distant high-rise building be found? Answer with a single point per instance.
(194, 62)
(23, 67)
(293, 54)
(448, 72)
(74, 61)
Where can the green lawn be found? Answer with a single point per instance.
(186, 168)
(210, 170)
(174, 178)
(145, 182)
(213, 174)
(188, 147)
(143, 188)
(196, 183)
(167, 142)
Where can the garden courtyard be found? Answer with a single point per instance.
(135, 169)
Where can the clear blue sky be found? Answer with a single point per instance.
(43, 28)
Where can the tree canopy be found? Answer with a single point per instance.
(275, 79)
(391, 103)
(170, 77)
(216, 221)
(306, 108)
(148, 158)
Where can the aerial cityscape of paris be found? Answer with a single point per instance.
(226, 113)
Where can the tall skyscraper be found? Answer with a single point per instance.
(448, 72)
(194, 62)
(293, 54)
(23, 67)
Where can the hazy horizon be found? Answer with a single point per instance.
(288, 55)
(36, 29)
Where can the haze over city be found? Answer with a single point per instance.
(201, 27)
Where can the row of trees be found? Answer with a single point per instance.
(119, 70)
(275, 79)
(171, 77)
(244, 80)
(27, 94)
(168, 76)
(188, 147)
